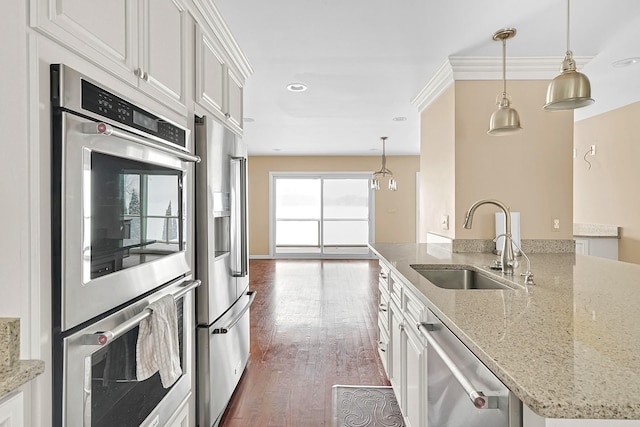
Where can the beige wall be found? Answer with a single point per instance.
(394, 210)
(437, 165)
(608, 192)
(530, 171)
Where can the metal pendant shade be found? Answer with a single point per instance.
(504, 120)
(571, 89)
(383, 172)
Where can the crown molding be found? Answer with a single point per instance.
(488, 68)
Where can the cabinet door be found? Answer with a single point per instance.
(415, 380)
(234, 100)
(163, 51)
(395, 353)
(11, 411)
(181, 417)
(104, 31)
(210, 74)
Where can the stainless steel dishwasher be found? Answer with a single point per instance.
(461, 390)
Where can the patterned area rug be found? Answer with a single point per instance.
(360, 406)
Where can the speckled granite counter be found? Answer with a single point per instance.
(14, 372)
(21, 372)
(596, 230)
(569, 347)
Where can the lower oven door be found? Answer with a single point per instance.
(223, 353)
(95, 375)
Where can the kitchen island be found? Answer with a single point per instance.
(567, 347)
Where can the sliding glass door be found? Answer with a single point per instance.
(321, 215)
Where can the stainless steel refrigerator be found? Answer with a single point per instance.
(224, 298)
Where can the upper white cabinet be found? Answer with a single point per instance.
(221, 68)
(210, 73)
(144, 42)
(163, 43)
(234, 98)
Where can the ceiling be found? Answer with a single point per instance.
(365, 60)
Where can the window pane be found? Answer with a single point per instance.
(298, 199)
(346, 198)
(350, 233)
(297, 233)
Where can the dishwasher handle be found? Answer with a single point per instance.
(477, 397)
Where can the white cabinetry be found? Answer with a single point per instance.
(603, 247)
(219, 87)
(415, 385)
(144, 42)
(395, 352)
(12, 411)
(181, 417)
(383, 318)
(406, 350)
(163, 43)
(531, 419)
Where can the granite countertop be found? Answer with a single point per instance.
(568, 347)
(596, 230)
(21, 372)
(13, 371)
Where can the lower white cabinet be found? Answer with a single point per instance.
(415, 378)
(603, 247)
(405, 352)
(180, 419)
(396, 325)
(12, 411)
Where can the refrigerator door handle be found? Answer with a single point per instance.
(236, 319)
(241, 267)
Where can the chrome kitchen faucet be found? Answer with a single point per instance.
(507, 258)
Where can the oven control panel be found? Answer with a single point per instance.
(106, 104)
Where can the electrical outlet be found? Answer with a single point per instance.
(592, 151)
(555, 224)
(445, 222)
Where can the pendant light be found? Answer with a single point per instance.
(571, 89)
(383, 172)
(504, 120)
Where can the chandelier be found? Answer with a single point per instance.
(383, 172)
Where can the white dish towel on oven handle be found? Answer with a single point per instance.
(157, 348)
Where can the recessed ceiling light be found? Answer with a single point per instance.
(248, 120)
(626, 62)
(399, 119)
(297, 87)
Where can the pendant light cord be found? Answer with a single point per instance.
(568, 26)
(504, 67)
(384, 154)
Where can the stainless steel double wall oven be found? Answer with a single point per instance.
(121, 227)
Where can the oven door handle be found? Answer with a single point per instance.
(106, 337)
(102, 128)
(477, 397)
(236, 319)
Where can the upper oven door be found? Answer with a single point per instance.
(121, 211)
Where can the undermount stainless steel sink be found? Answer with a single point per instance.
(460, 278)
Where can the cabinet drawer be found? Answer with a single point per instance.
(383, 322)
(383, 276)
(383, 346)
(413, 308)
(395, 290)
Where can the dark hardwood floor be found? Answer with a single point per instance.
(313, 325)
